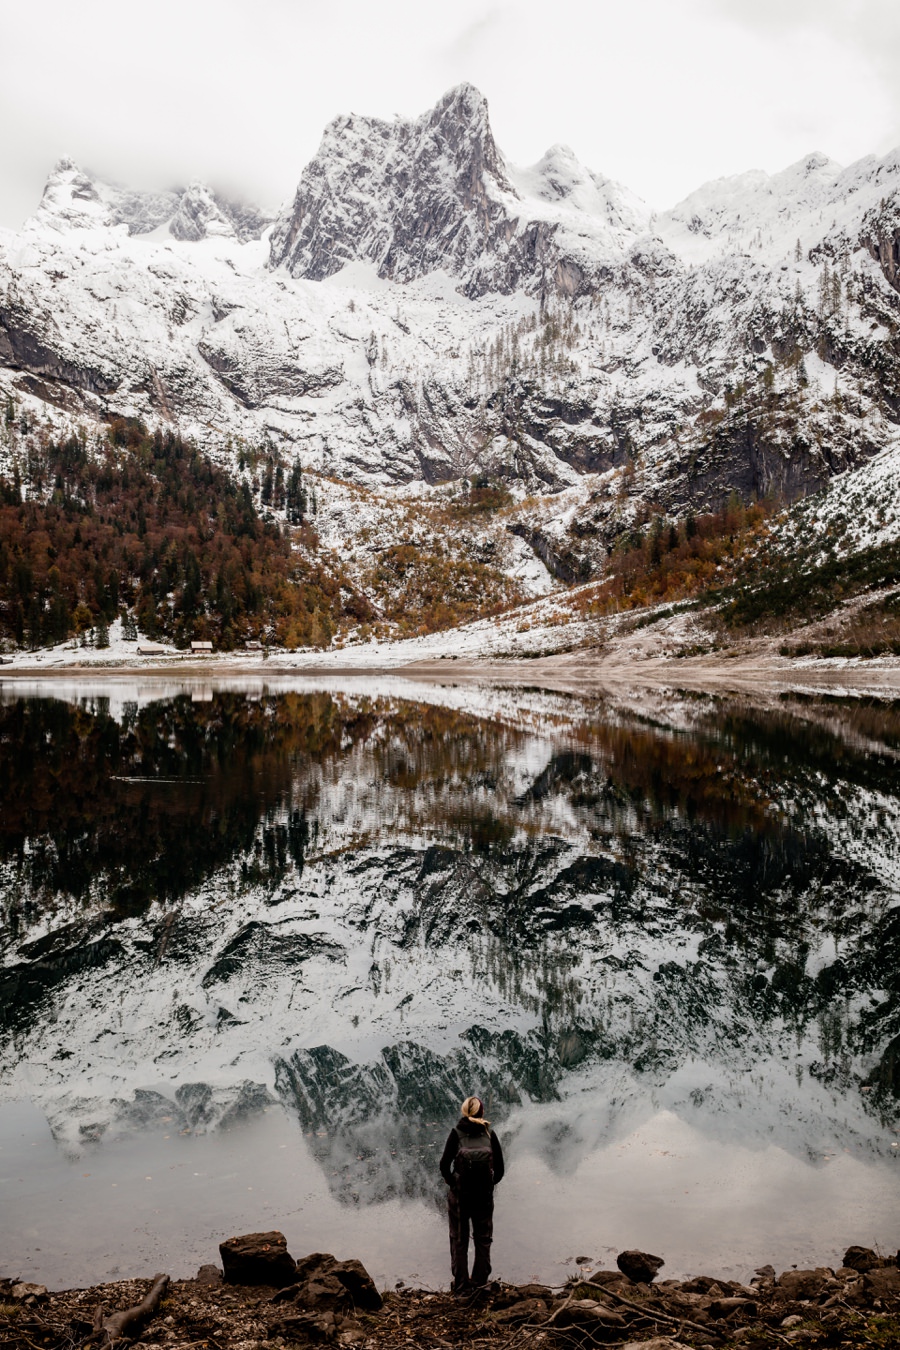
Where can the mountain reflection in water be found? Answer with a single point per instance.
(364, 907)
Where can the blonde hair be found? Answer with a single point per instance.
(472, 1108)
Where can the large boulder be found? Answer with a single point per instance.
(861, 1259)
(640, 1267)
(883, 1283)
(319, 1293)
(803, 1284)
(258, 1258)
(321, 1281)
(360, 1284)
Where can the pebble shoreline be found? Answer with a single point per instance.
(260, 1297)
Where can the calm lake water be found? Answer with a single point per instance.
(258, 944)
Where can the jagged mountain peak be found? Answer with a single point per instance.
(561, 180)
(464, 103)
(370, 379)
(415, 196)
(72, 199)
(75, 199)
(409, 195)
(203, 213)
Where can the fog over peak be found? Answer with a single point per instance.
(237, 98)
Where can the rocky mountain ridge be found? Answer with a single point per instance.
(74, 200)
(424, 311)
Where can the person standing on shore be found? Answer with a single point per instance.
(471, 1165)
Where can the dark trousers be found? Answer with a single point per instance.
(465, 1213)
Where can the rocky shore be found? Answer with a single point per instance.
(260, 1297)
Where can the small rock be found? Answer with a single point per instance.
(604, 1277)
(724, 1307)
(587, 1312)
(30, 1292)
(350, 1332)
(535, 1291)
(527, 1310)
(703, 1284)
(685, 1301)
(640, 1267)
(507, 1298)
(209, 1275)
(658, 1343)
(311, 1327)
(258, 1258)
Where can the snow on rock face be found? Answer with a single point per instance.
(881, 236)
(409, 196)
(425, 310)
(434, 193)
(75, 200)
(202, 214)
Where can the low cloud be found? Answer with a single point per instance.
(661, 94)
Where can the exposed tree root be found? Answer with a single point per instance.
(108, 1330)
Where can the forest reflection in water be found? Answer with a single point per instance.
(360, 906)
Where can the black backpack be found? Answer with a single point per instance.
(475, 1161)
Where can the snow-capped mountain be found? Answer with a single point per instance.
(74, 200)
(435, 194)
(425, 310)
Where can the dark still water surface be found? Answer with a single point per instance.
(258, 944)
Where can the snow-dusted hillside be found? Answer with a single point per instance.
(425, 310)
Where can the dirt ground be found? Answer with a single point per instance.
(817, 1308)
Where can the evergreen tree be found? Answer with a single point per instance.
(267, 484)
(656, 542)
(295, 495)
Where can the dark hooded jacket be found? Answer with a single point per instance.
(451, 1149)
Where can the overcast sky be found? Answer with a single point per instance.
(661, 94)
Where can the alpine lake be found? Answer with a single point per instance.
(260, 939)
